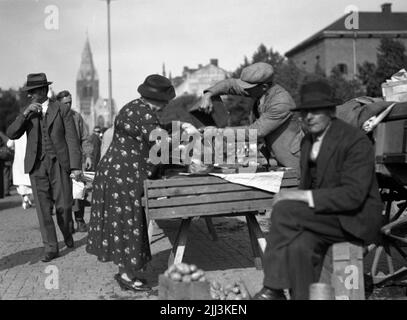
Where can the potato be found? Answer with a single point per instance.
(175, 276)
(216, 285)
(231, 296)
(166, 274)
(228, 288)
(186, 278)
(236, 289)
(172, 268)
(202, 279)
(183, 268)
(197, 275)
(193, 268)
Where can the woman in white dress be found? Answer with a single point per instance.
(21, 179)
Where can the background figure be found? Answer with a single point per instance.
(20, 179)
(78, 204)
(106, 141)
(7, 163)
(92, 147)
(52, 155)
(2, 145)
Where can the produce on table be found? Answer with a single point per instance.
(235, 291)
(185, 273)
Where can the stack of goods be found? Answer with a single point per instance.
(183, 282)
(185, 273)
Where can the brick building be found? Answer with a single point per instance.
(350, 41)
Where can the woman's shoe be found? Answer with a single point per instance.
(131, 285)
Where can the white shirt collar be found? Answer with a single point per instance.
(45, 106)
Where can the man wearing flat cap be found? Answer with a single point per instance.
(53, 153)
(338, 199)
(275, 123)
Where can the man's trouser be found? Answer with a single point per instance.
(52, 185)
(296, 245)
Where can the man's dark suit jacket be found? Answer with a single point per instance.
(346, 181)
(61, 130)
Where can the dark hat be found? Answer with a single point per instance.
(316, 95)
(36, 80)
(157, 87)
(255, 74)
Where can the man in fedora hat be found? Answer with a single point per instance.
(275, 123)
(338, 198)
(52, 155)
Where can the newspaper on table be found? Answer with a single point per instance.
(267, 181)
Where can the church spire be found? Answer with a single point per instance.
(87, 68)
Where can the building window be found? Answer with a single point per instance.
(342, 68)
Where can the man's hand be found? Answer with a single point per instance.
(299, 195)
(33, 108)
(76, 174)
(206, 104)
(88, 163)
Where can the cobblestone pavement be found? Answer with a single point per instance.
(81, 276)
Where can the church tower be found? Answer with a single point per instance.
(87, 86)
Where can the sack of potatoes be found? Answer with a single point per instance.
(235, 291)
(183, 272)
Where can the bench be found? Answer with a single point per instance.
(186, 197)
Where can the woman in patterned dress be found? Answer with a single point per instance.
(117, 226)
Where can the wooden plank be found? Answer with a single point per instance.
(210, 209)
(201, 180)
(255, 246)
(188, 181)
(212, 188)
(178, 249)
(208, 199)
(257, 232)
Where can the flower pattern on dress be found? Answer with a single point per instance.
(117, 230)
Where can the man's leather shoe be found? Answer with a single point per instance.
(50, 256)
(81, 226)
(269, 294)
(69, 242)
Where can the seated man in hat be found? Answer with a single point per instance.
(338, 199)
(52, 154)
(275, 123)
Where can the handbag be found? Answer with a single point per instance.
(6, 154)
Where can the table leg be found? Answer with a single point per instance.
(211, 228)
(178, 249)
(255, 246)
(257, 231)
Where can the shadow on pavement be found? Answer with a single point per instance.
(232, 249)
(34, 255)
(9, 203)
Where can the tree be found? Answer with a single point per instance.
(344, 90)
(391, 57)
(10, 105)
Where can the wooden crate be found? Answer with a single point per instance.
(343, 270)
(176, 290)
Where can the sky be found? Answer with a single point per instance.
(49, 35)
